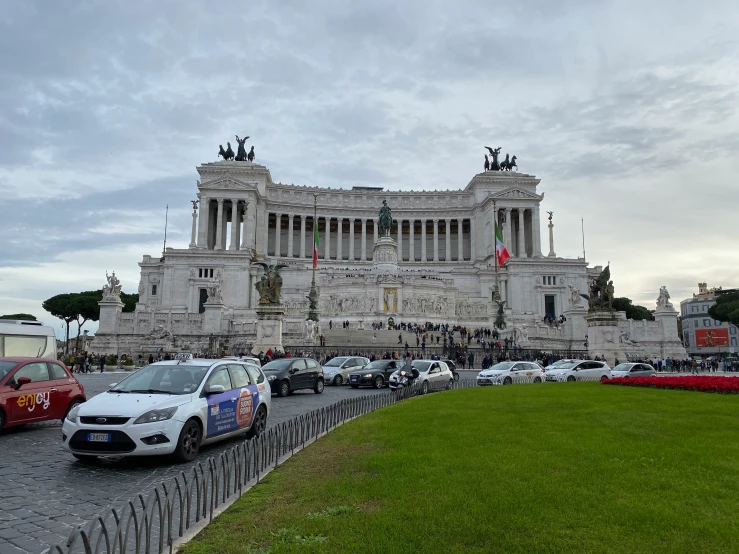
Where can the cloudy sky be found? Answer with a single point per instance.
(626, 110)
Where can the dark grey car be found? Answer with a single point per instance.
(287, 375)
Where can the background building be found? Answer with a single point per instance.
(703, 335)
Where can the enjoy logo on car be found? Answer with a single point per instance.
(30, 401)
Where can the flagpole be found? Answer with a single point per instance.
(495, 250)
(166, 218)
(314, 294)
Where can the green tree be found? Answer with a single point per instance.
(634, 312)
(22, 317)
(129, 301)
(63, 307)
(85, 304)
(726, 308)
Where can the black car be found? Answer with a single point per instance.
(375, 374)
(287, 375)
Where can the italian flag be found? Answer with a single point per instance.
(500, 250)
(316, 242)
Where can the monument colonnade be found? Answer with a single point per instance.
(420, 239)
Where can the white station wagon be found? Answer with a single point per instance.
(579, 370)
(507, 373)
(171, 407)
(432, 374)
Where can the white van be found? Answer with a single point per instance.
(27, 338)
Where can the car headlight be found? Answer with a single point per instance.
(271, 377)
(72, 415)
(368, 376)
(329, 373)
(153, 416)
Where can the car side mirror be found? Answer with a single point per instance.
(22, 381)
(293, 370)
(215, 389)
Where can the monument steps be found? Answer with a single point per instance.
(385, 338)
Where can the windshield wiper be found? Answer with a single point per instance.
(152, 391)
(118, 390)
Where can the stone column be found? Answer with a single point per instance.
(436, 240)
(411, 241)
(245, 227)
(473, 245)
(219, 226)
(278, 234)
(375, 232)
(537, 232)
(203, 223)
(194, 227)
(448, 238)
(521, 234)
(423, 240)
(339, 238)
(290, 221)
(351, 238)
(551, 240)
(237, 225)
(302, 236)
(234, 224)
(460, 240)
(327, 247)
(508, 237)
(363, 250)
(400, 240)
(265, 245)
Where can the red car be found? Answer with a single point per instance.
(36, 389)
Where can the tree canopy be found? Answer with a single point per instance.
(633, 311)
(22, 317)
(726, 308)
(129, 301)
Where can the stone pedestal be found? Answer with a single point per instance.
(110, 311)
(269, 328)
(671, 346)
(213, 317)
(604, 337)
(385, 256)
(576, 327)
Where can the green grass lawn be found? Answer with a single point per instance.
(566, 467)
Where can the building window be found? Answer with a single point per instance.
(202, 300)
(705, 307)
(200, 272)
(732, 330)
(706, 323)
(733, 341)
(696, 323)
(717, 323)
(153, 290)
(693, 309)
(549, 307)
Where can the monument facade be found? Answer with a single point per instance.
(430, 260)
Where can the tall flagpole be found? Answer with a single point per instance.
(313, 294)
(166, 217)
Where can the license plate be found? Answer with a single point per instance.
(484, 380)
(98, 437)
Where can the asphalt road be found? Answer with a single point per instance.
(46, 492)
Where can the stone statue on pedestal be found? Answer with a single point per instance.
(385, 219)
(112, 289)
(663, 301)
(601, 292)
(241, 155)
(270, 285)
(227, 154)
(213, 286)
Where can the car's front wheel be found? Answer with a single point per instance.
(318, 389)
(537, 379)
(379, 382)
(450, 385)
(284, 388)
(571, 378)
(338, 380)
(188, 444)
(456, 376)
(425, 387)
(507, 381)
(604, 378)
(259, 424)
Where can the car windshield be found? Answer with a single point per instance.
(421, 366)
(622, 367)
(561, 363)
(5, 368)
(564, 365)
(163, 379)
(503, 366)
(335, 362)
(277, 365)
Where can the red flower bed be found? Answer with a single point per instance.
(702, 383)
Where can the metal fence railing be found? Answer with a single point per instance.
(177, 509)
(174, 511)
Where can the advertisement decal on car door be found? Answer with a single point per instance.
(231, 410)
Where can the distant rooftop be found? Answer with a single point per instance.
(368, 188)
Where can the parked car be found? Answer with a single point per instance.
(432, 374)
(287, 375)
(170, 407)
(561, 363)
(452, 367)
(247, 359)
(633, 370)
(337, 370)
(579, 370)
(506, 373)
(36, 389)
(375, 374)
